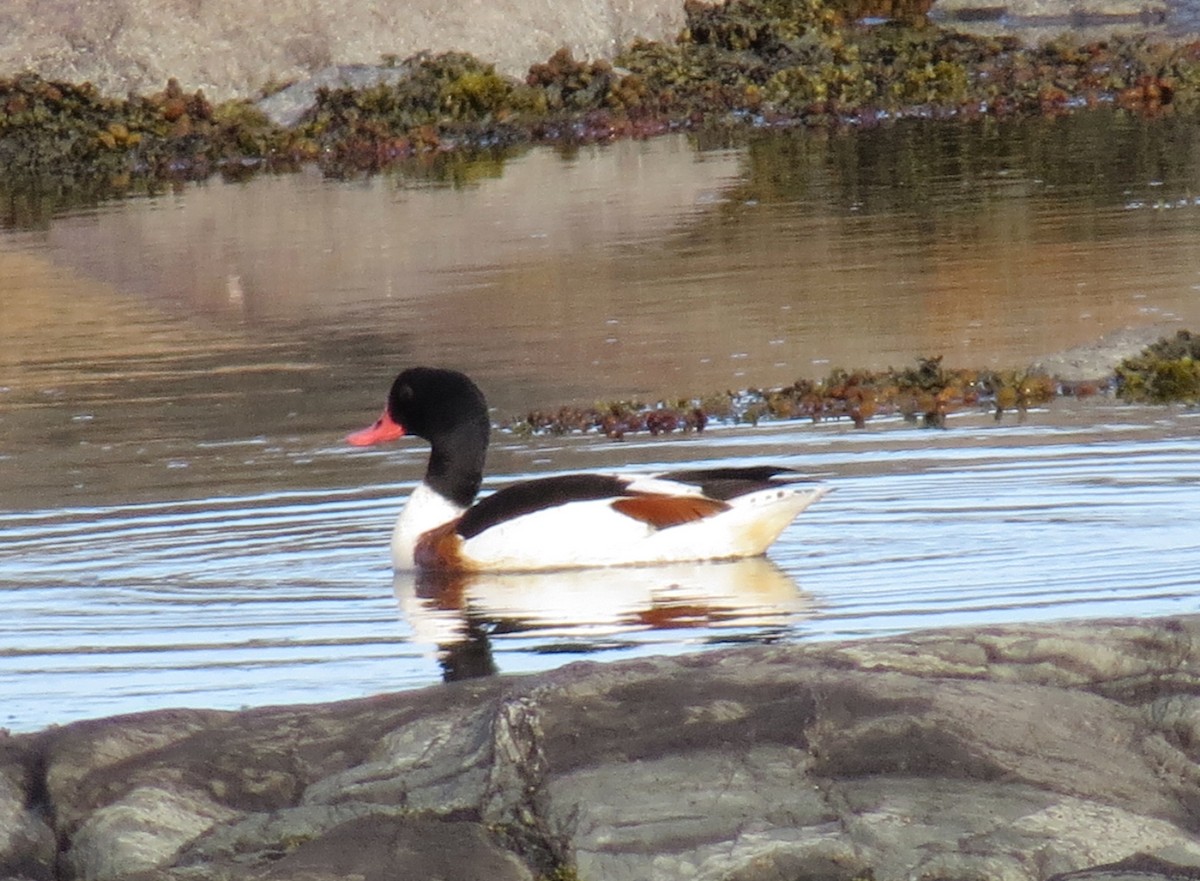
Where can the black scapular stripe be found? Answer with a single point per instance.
(729, 483)
(535, 495)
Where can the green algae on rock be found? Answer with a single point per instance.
(1167, 371)
(746, 63)
(448, 96)
(55, 129)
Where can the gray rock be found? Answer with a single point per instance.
(1064, 752)
(287, 106)
(1079, 11)
(1086, 20)
(231, 49)
(377, 849)
(1099, 359)
(88, 764)
(867, 767)
(27, 846)
(144, 829)
(1138, 867)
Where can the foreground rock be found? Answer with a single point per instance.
(1018, 753)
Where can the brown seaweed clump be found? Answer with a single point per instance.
(924, 394)
(614, 419)
(51, 127)
(1166, 371)
(445, 101)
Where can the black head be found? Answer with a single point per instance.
(430, 402)
(447, 409)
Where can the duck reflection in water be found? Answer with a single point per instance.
(463, 615)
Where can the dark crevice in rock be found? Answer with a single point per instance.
(514, 800)
(1137, 866)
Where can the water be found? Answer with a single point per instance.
(181, 524)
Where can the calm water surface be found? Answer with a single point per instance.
(180, 523)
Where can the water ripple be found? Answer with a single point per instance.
(287, 596)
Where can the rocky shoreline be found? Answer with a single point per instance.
(230, 51)
(1101, 358)
(1057, 751)
(1025, 752)
(1157, 363)
(354, 107)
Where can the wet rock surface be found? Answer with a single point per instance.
(1055, 751)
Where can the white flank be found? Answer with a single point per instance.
(592, 533)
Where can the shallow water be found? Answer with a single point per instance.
(286, 595)
(181, 524)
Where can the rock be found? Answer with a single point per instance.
(1054, 752)
(287, 106)
(143, 829)
(1098, 360)
(229, 49)
(1084, 21)
(380, 848)
(1063, 11)
(89, 753)
(867, 767)
(1136, 868)
(1087, 20)
(27, 846)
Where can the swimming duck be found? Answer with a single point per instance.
(565, 521)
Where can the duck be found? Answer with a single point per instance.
(564, 521)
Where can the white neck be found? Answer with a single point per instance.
(425, 509)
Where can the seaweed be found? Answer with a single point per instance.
(924, 394)
(744, 63)
(1164, 372)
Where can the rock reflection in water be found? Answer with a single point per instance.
(586, 611)
(179, 522)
